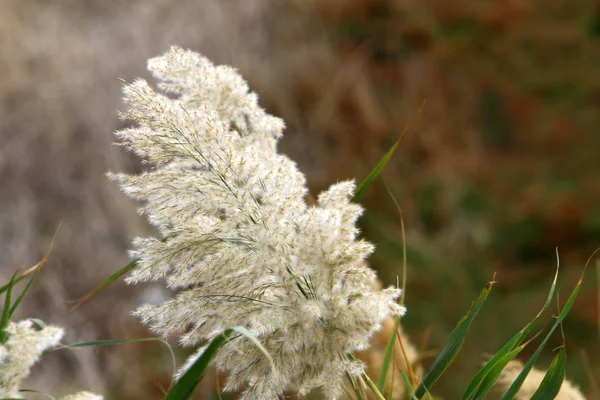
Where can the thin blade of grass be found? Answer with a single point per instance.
(409, 389)
(384, 160)
(6, 309)
(10, 284)
(387, 359)
(407, 361)
(105, 283)
(111, 342)
(515, 341)
(455, 342)
(373, 387)
(403, 232)
(514, 388)
(554, 378)
(115, 342)
(23, 293)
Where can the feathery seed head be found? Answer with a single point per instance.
(23, 348)
(239, 241)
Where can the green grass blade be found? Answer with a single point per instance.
(23, 293)
(514, 388)
(106, 282)
(387, 359)
(10, 284)
(111, 342)
(554, 378)
(186, 385)
(494, 373)
(489, 365)
(515, 341)
(410, 392)
(6, 309)
(384, 160)
(455, 342)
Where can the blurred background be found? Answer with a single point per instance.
(501, 168)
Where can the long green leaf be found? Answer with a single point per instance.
(455, 342)
(384, 160)
(106, 282)
(554, 378)
(186, 385)
(514, 388)
(515, 341)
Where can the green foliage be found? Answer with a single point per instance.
(554, 378)
(186, 385)
(387, 359)
(565, 310)
(488, 374)
(455, 342)
(9, 309)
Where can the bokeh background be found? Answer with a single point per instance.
(501, 168)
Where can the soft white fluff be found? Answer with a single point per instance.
(238, 240)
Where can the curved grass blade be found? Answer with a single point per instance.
(554, 378)
(515, 341)
(105, 283)
(384, 160)
(514, 388)
(455, 342)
